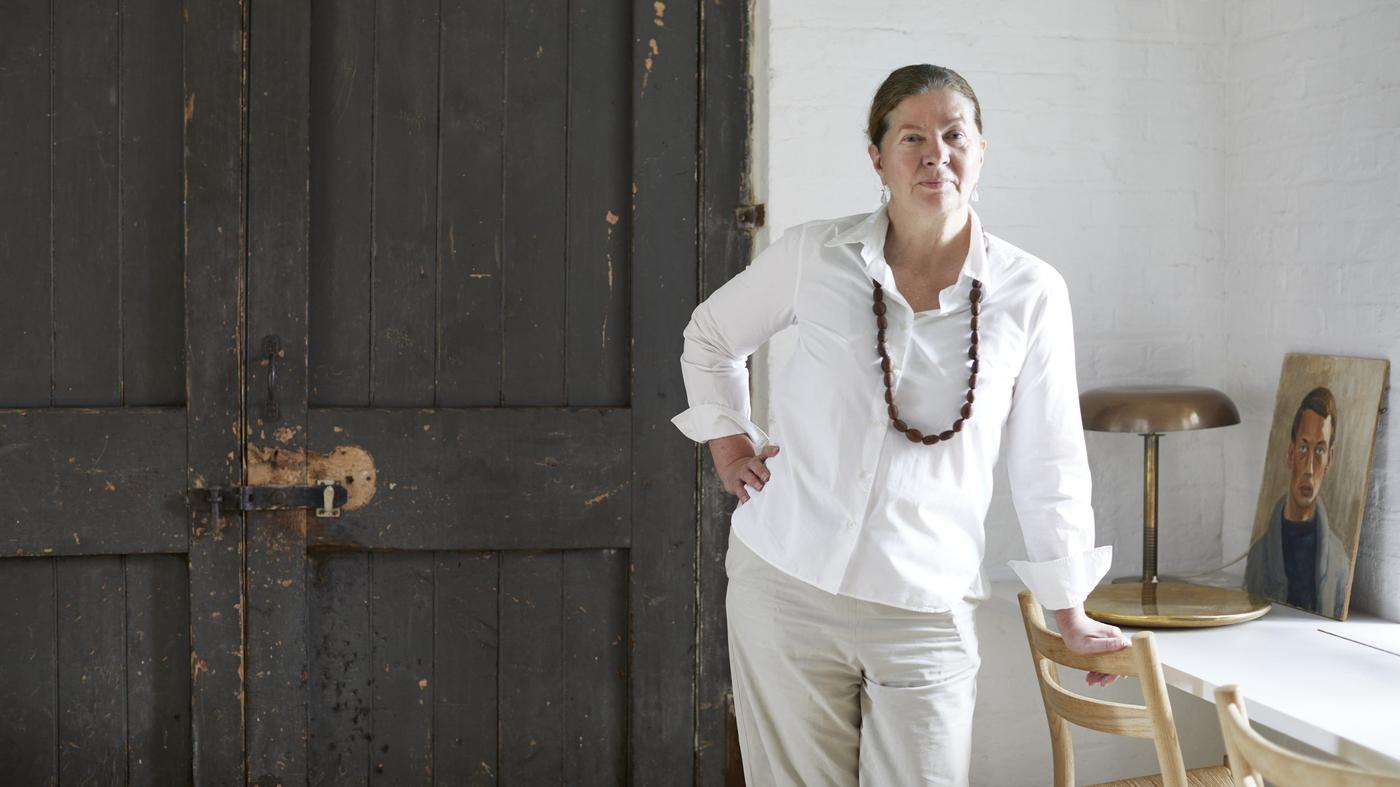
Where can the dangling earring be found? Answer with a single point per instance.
(974, 196)
(884, 194)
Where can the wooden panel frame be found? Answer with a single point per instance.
(664, 253)
(114, 475)
(214, 101)
(278, 211)
(453, 487)
(725, 184)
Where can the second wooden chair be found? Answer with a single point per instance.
(1254, 758)
(1152, 720)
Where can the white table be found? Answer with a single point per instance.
(1309, 677)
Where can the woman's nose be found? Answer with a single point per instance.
(937, 153)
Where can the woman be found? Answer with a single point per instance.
(855, 553)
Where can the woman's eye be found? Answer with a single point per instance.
(911, 137)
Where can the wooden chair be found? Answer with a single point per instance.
(1152, 720)
(1254, 759)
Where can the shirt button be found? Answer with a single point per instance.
(850, 525)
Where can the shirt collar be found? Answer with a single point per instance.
(870, 232)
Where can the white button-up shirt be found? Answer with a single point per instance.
(853, 507)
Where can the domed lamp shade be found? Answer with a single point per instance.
(1152, 411)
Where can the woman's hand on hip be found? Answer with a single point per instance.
(1083, 634)
(746, 471)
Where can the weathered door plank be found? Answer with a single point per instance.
(665, 140)
(276, 370)
(92, 482)
(86, 269)
(29, 661)
(497, 478)
(726, 116)
(214, 256)
(465, 652)
(26, 355)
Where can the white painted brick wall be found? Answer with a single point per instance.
(1312, 225)
(1106, 145)
(1219, 183)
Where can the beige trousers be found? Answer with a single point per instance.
(832, 690)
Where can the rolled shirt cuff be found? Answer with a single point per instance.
(705, 422)
(1064, 582)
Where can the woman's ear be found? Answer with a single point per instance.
(875, 158)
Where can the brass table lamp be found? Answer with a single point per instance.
(1150, 602)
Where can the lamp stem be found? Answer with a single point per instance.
(1149, 508)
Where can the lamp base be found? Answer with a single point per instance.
(1172, 605)
(1161, 579)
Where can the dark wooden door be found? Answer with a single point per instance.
(120, 280)
(455, 243)
(474, 230)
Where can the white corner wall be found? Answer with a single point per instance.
(1219, 183)
(1312, 229)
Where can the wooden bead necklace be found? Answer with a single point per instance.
(914, 435)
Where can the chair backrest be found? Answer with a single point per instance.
(1253, 759)
(1152, 720)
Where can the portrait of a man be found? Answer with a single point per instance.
(1300, 559)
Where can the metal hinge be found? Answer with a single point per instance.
(749, 217)
(326, 498)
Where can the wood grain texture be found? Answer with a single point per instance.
(466, 645)
(94, 671)
(278, 225)
(1255, 758)
(531, 669)
(276, 649)
(401, 639)
(1152, 720)
(725, 250)
(152, 273)
(214, 257)
(595, 666)
(535, 231)
(404, 281)
(112, 481)
(442, 640)
(472, 117)
(28, 671)
(662, 600)
(482, 479)
(717, 757)
(25, 132)
(105, 632)
(598, 219)
(91, 594)
(86, 268)
(158, 670)
(342, 113)
(338, 749)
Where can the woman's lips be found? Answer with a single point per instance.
(934, 184)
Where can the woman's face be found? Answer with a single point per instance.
(931, 155)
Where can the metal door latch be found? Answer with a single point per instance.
(749, 217)
(329, 509)
(325, 498)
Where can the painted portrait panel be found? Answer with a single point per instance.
(1308, 520)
